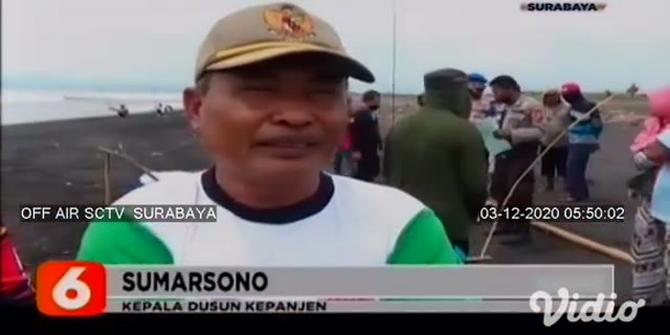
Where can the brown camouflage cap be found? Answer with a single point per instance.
(261, 33)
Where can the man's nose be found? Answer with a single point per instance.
(296, 115)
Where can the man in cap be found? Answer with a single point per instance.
(521, 124)
(583, 138)
(270, 106)
(480, 104)
(437, 156)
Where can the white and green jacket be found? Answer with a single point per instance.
(347, 223)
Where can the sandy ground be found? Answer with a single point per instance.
(58, 163)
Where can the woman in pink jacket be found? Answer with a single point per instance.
(651, 235)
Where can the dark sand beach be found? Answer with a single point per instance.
(58, 163)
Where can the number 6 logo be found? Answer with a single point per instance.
(71, 283)
(71, 289)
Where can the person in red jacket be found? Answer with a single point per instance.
(15, 286)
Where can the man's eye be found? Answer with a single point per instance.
(259, 88)
(325, 90)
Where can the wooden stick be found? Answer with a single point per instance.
(585, 242)
(106, 170)
(129, 159)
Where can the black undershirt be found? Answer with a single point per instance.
(279, 215)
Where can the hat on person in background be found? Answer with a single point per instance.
(477, 81)
(571, 89)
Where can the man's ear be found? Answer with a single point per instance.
(192, 99)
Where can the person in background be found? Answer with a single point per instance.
(159, 109)
(650, 246)
(437, 156)
(419, 100)
(480, 104)
(521, 124)
(343, 164)
(122, 111)
(556, 120)
(15, 287)
(366, 137)
(481, 110)
(583, 138)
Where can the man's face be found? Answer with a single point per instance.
(280, 119)
(552, 99)
(476, 90)
(502, 95)
(571, 97)
(374, 103)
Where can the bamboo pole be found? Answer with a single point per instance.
(581, 241)
(129, 159)
(584, 242)
(106, 171)
(393, 69)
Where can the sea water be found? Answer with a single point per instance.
(37, 106)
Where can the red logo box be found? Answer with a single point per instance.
(71, 289)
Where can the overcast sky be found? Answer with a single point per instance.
(152, 43)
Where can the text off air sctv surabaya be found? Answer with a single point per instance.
(138, 213)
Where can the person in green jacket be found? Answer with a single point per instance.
(437, 156)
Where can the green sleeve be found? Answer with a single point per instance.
(122, 242)
(423, 241)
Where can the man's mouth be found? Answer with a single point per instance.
(288, 146)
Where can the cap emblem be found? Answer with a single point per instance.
(289, 22)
